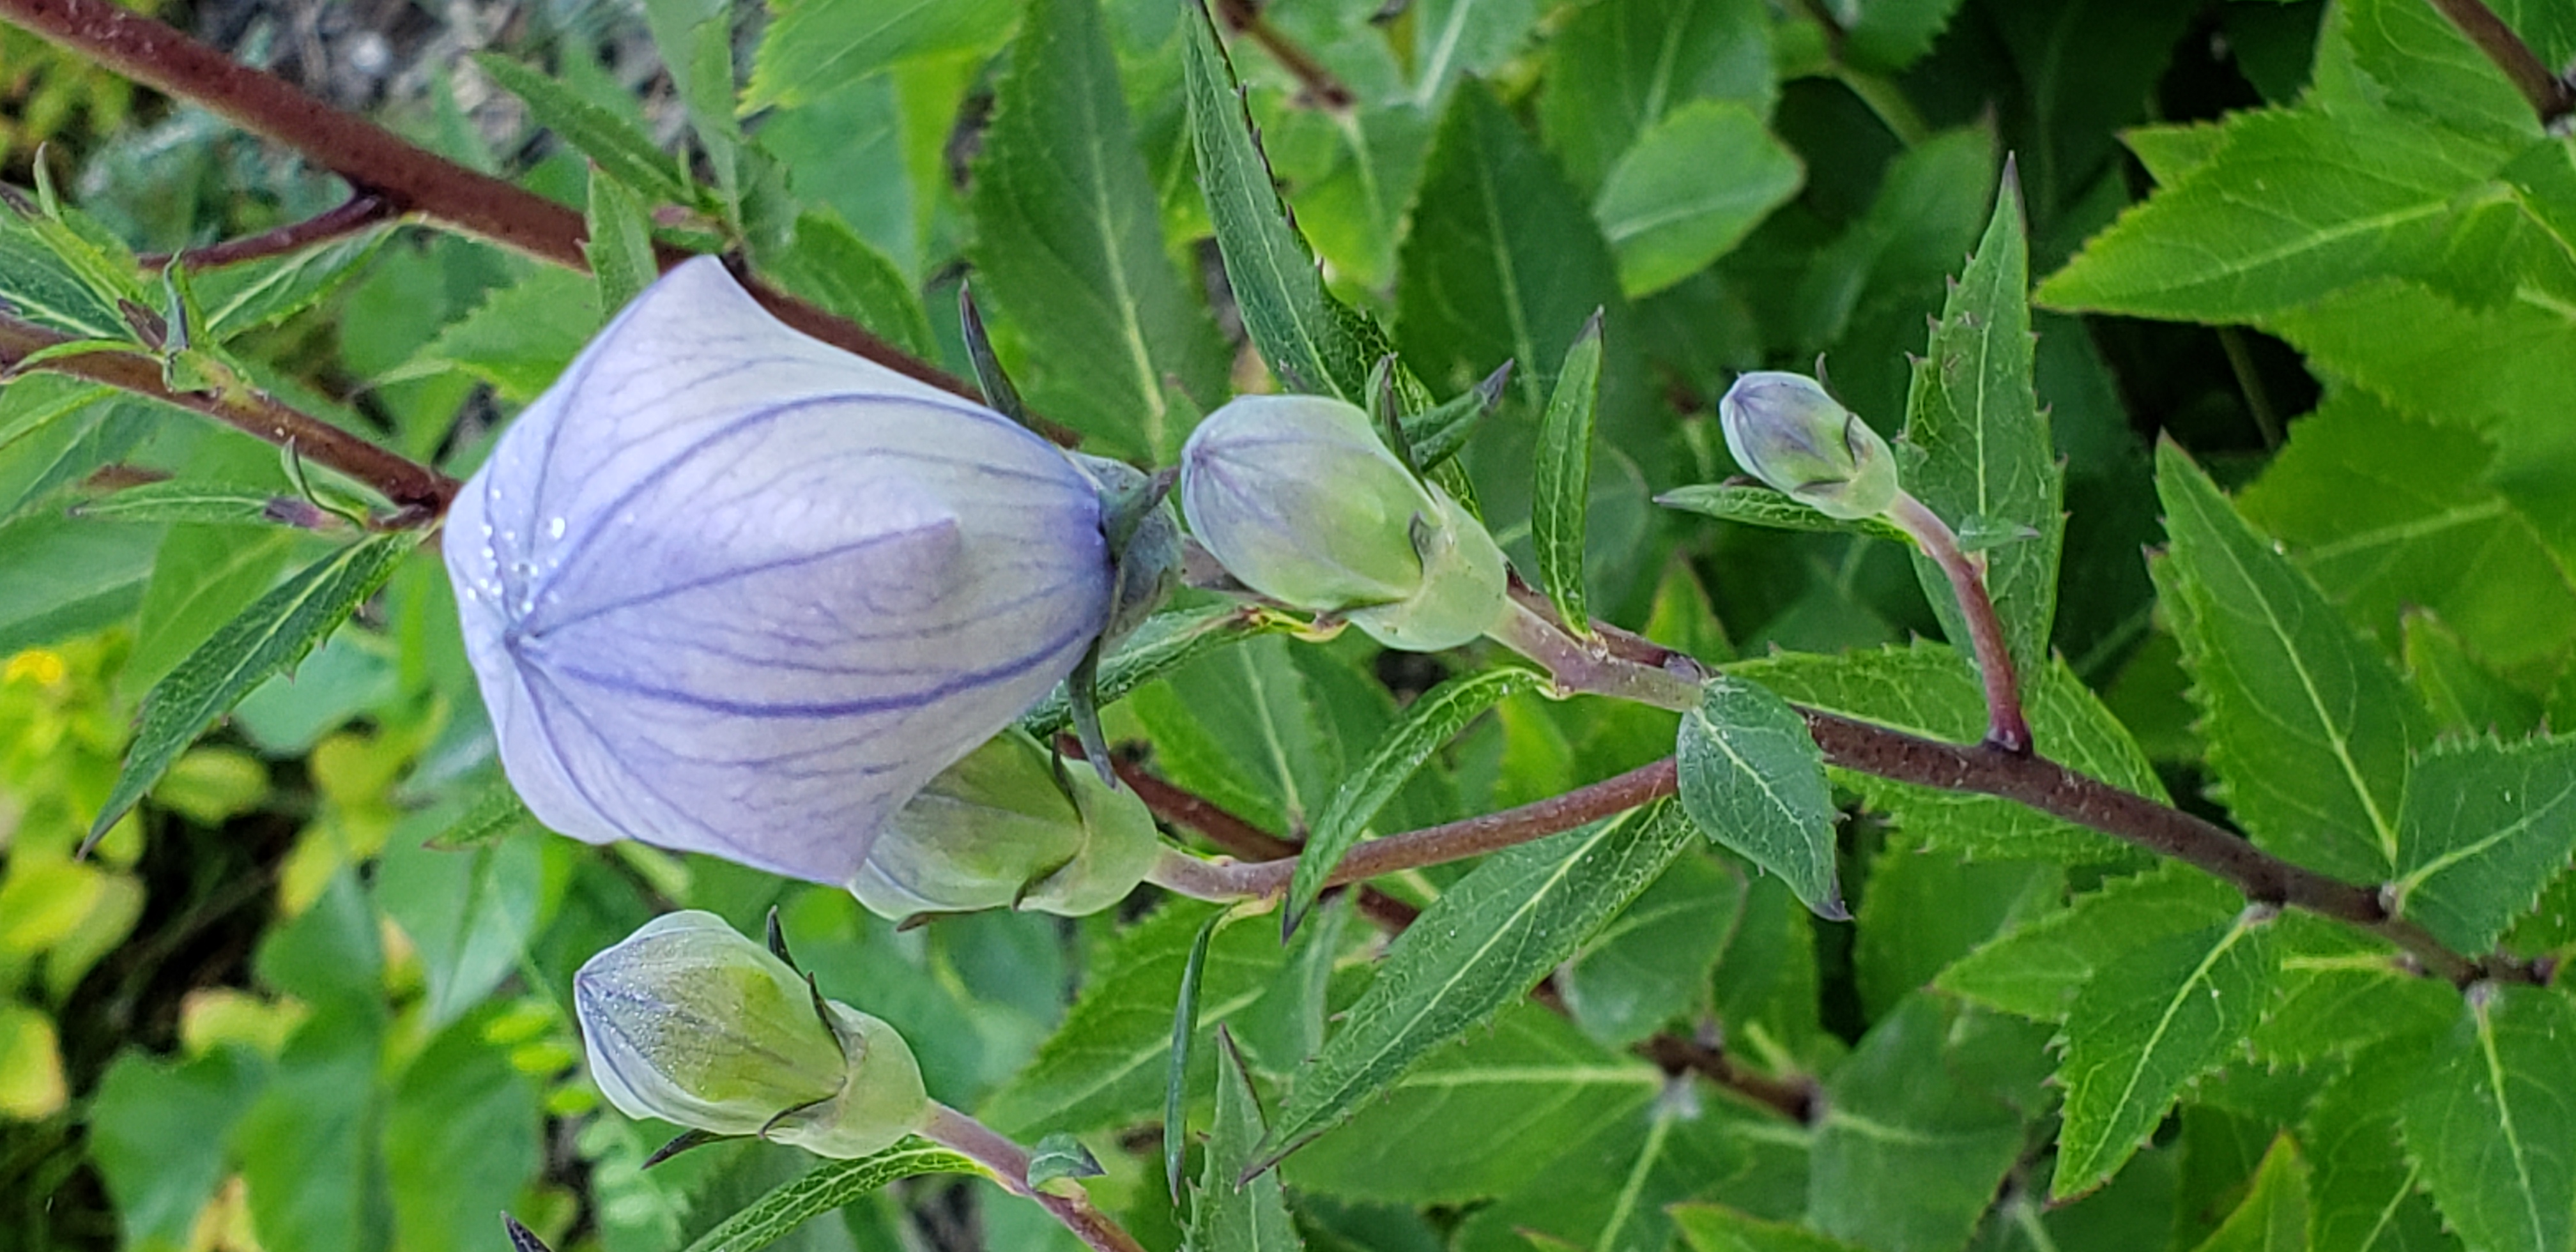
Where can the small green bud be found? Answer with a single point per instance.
(1005, 828)
(690, 1022)
(1297, 497)
(1783, 429)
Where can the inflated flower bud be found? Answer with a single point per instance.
(1296, 497)
(1784, 430)
(731, 590)
(1005, 828)
(692, 1023)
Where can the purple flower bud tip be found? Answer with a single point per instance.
(731, 590)
(1785, 430)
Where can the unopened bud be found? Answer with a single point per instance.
(690, 1022)
(1783, 429)
(1005, 828)
(1297, 497)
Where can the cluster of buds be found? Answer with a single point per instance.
(690, 1022)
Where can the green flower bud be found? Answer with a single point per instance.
(690, 1022)
(1784, 430)
(1005, 828)
(1297, 497)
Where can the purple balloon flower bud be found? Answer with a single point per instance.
(1785, 430)
(731, 590)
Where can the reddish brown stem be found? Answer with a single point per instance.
(375, 161)
(1185, 808)
(416, 490)
(2551, 95)
(354, 214)
(1321, 87)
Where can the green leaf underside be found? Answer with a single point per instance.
(2484, 827)
(1761, 506)
(620, 246)
(813, 47)
(2146, 1024)
(269, 636)
(2309, 727)
(829, 1186)
(1985, 444)
(1753, 781)
(2492, 1122)
(1313, 342)
(46, 289)
(1069, 247)
(2367, 1195)
(1481, 945)
(1428, 724)
(1226, 1216)
(1929, 690)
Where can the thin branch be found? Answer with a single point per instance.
(2045, 785)
(1008, 1163)
(2006, 726)
(375, 161)
(415, 488)
(1791, 1098)
(1321, 87)
(353, 215)
(2551, 95)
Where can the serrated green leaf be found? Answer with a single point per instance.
(1462, 37)
(829, 1186)
(2465, 694)
(1428, 724)
(1185, 1029)
(1617, 68)
(1564, 484)
(55, 430)
(2340, 990)
(620, 242)
(814, 46)
(2036, 969)
(1892, 34)
(1985, 445)
(2147, 1023)
(1504, 263)
(201, 578)
(1903, 1159)
(1690, 189)
(830, 265)
(1477, 948)
(1930, 691)
(2492, 1122)
(1104, 1066)
(1608, 1189)
(2430, 70)
(40, 284)
(2483, 828)
(1227, 1215)
(2291, 206)
(1529, 1079)
(239, 298)
(1069, 247)
(522, 335)
(1651, 963)
(1753, 781)
(2308, 725)
(184, 501)
(614, 145)
(1761, 506)
(2389, 513)
(1246, 727)
(2365, 1195)
(1060, 1157)
(2274, 1214)
(1313, 342)
(1926, 909)
(494, 814)
(270, 635)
